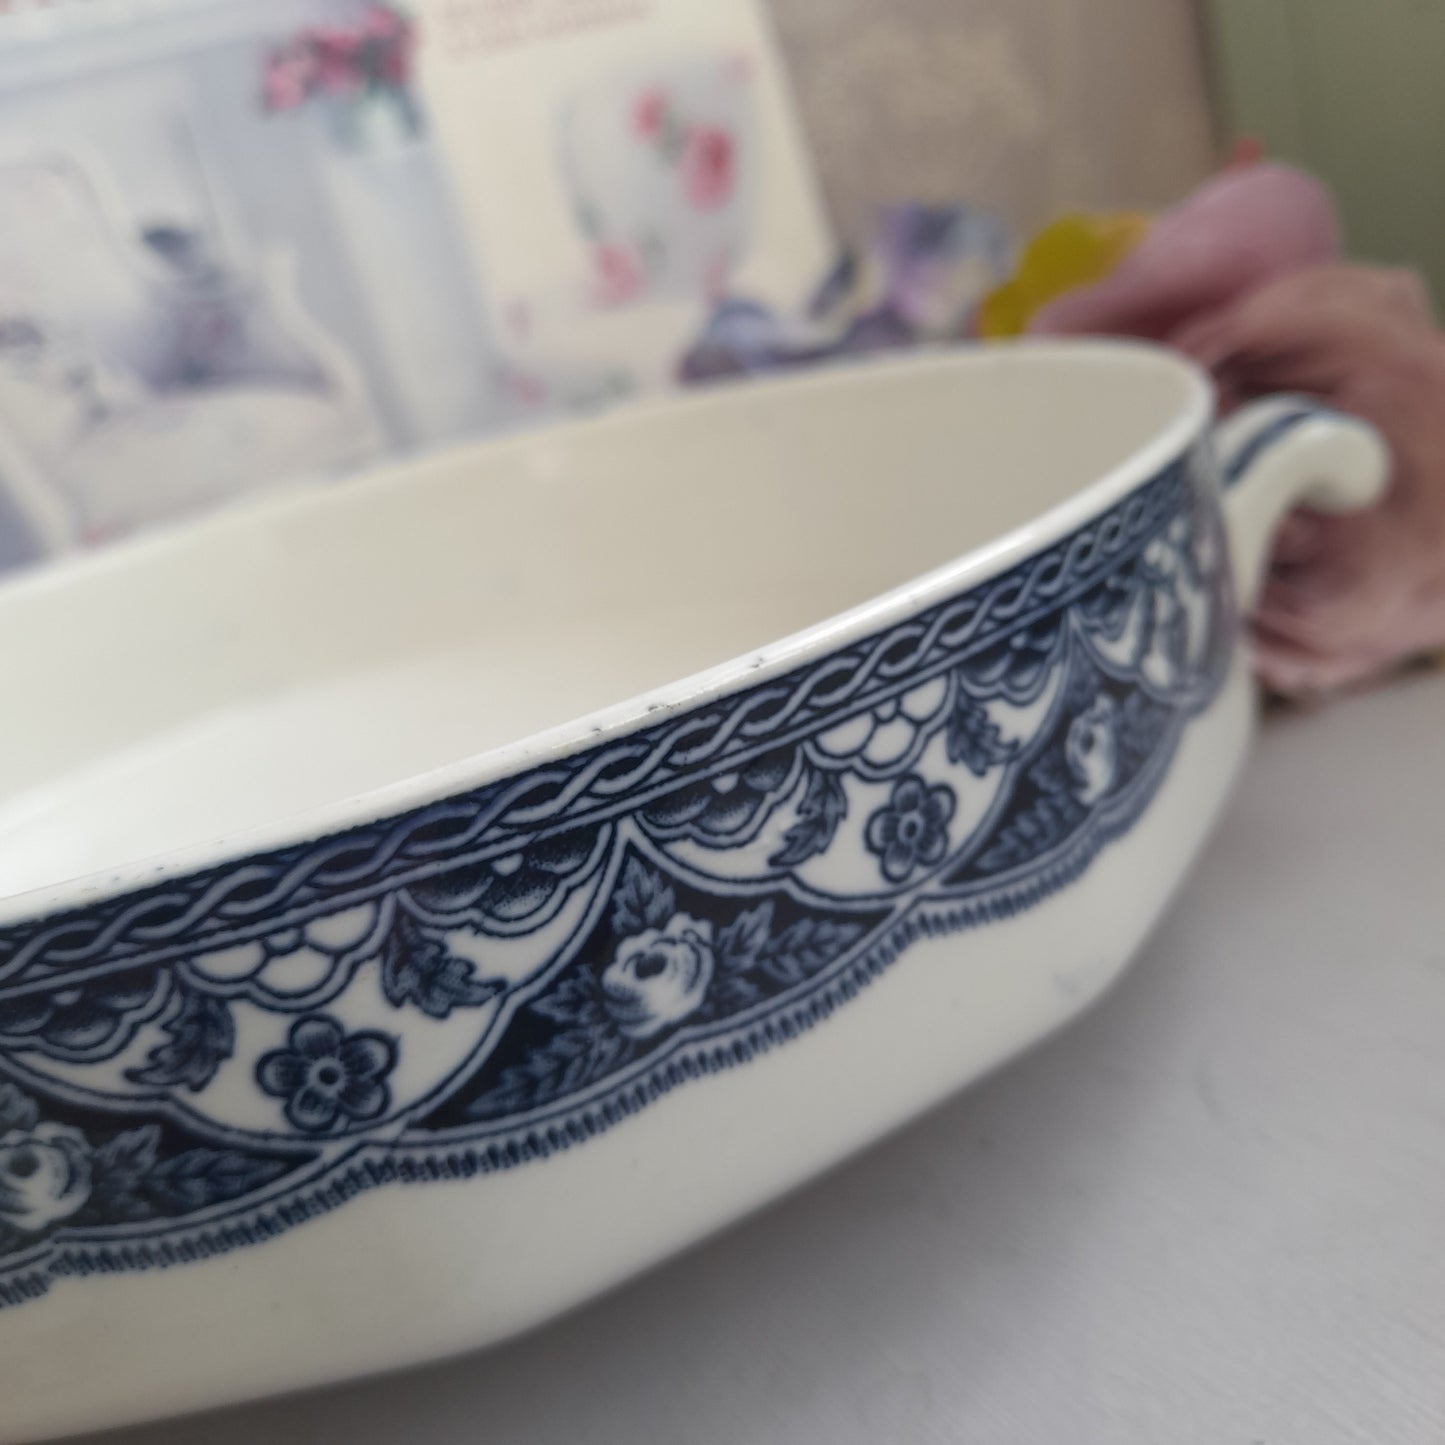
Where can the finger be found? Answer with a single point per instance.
(1296, 337)
(1202, 337)
(1290, 673)
(1403, 292)
(1249, 333)
(1231, 236)
(1299, 541)
(1326, 313)
(1123, 305)
(1155, 290)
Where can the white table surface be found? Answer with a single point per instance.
(1212, 1212)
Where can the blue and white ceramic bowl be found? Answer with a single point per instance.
(323, 1052)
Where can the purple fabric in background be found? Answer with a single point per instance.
(917, 280)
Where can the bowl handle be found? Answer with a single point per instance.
(1287, 452)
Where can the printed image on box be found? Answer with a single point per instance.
(661, 167)
(640, 160)
(246, 244)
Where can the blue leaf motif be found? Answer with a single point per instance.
(823, 808)
(740, 943)
(418, 968)
(974, 738)
(17, 1111)
(202, 1036)
(1050, 775)
(133, 1152)
(567, 1062)
(642, 901)
(1044, 825)
(1142, 722)
(120, 1169)
(201, 1177)
(731, 993)
(574, 1001)
(807, 946)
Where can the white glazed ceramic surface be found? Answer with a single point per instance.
(826, 742)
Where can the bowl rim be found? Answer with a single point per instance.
(667, 702)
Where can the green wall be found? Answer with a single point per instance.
(1354, 89)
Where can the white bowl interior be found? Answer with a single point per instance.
(224, 677)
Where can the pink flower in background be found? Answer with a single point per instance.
(707, 167)
(370, 59)
(336, 53)
(391, 40)
(649, 113)
(287, 78)
(381, 23)
(524, 389)
(396, 59)
(618, 273)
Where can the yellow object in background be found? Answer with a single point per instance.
(1073, 252)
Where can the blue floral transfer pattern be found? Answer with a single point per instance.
(327, 1076)
(911, 831)
(202, 1064)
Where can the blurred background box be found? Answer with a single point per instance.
(1023, 107)
(247, 244)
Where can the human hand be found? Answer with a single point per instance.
(1347, 597)
(1241, 276)
(1247, 227)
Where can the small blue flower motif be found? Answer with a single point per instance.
(328, 1076)
(911, 830)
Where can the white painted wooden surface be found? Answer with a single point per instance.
(1214, 1212)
